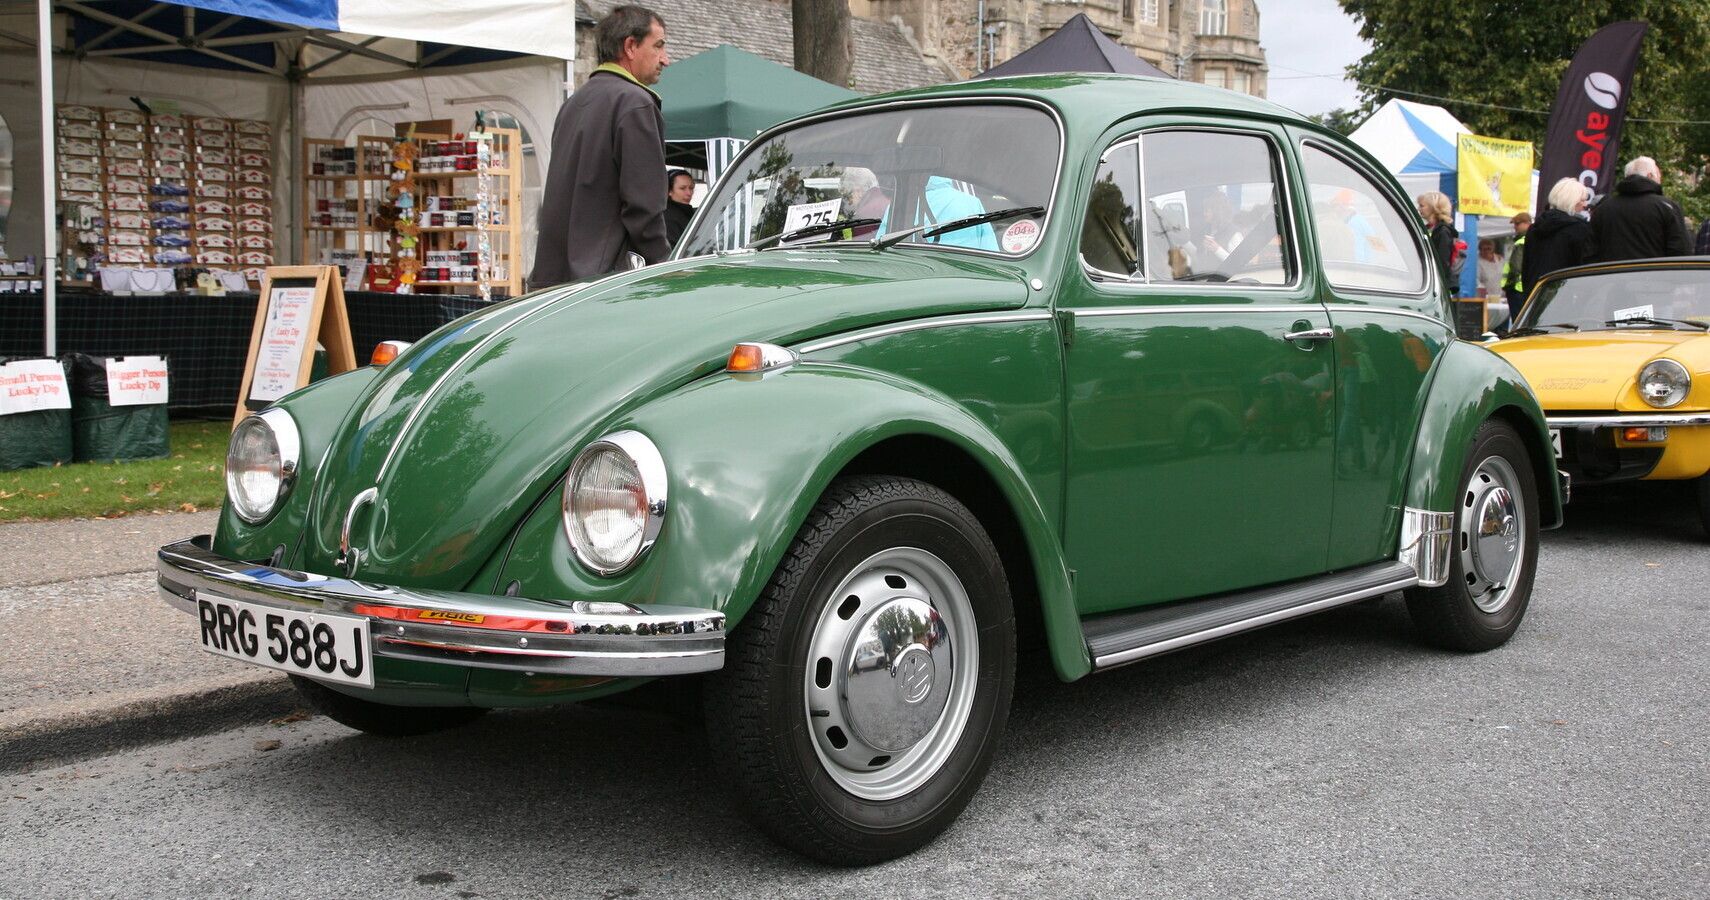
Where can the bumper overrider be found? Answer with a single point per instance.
(474, 630)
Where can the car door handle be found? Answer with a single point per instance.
(1311, 334)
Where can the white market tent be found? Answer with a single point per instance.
(322, 68)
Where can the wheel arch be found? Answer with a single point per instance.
(1470, 386)
(817, 423)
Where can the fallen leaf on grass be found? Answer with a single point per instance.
(265, 746)
(187, 507)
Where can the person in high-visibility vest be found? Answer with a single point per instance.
(1513, 285)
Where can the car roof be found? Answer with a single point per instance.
(1096, 99)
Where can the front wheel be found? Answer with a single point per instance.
(864, 694)
(1701, 491)
(1495, 552)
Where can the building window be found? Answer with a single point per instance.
(1128, 10)
(1242, 84)
(1149, 11)
(1216, 78)
(1213, 16)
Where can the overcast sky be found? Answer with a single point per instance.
(1305, 38)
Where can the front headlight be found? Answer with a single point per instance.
(1664, 383)
(261, 464)
(614, 501)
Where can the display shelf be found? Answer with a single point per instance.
(355, 195)
(504, 200)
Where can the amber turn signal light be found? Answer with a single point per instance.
(1644, 435)
(754, 357)
(386, 351)
(744, 358)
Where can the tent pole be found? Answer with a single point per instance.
(50, 197)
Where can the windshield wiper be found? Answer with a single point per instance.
(810, 231)
(1541, 329)
(1653, 320)
(933, 230)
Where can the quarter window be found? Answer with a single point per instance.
(1212, 210)
(1363, 240)
(1109, 238)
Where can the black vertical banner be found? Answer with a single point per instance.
(1584, 136)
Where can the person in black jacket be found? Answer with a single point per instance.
(605, 186)
(1560, 237)
(678, 212)
(1439, 216)
(1637, 221)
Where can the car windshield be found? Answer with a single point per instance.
(1640, 296)
(920, 165)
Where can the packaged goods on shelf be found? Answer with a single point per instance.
(254, 176)
(210, 123)
(173, 257)
(252, 192)
(171, 239)
(127, 220)
(215, 240)
(171, 154)
(168, 189)
(253, 160)
(74, 147)
(166, 120)
(82, 131)
(213, 224)
(214, 158)
(213, 139)
(130, 256)
(213, 173)
(251, 209)
(255, 258)
(80, 196)
(250, 126)
(251, 143)
(80, 165)
(171, 223)
(131, 133)
(127, 202)
(122, 150)
(82, 113)
(213, 207)
(124, 116)
(127, 238)
(79, 183)
(127, 169)
(170, 136)
(255, 242)
(214, 189)
(126, 186)
(214, 258)
(261, 226)
(171, 171)
(169, 206)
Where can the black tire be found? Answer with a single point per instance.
(1701, 491)
(1469, 612)
(382, 719)
(775, 754)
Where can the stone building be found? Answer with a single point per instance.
(1210, 41)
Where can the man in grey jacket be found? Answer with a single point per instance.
(605, 187)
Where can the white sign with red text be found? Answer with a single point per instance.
(283, 337)
(29, 385)
(136, 381)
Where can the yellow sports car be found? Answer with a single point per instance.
(1619, 355)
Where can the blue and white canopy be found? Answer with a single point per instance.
(1411, 138)
(251, 34)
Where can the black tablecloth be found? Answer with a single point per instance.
(205, 339)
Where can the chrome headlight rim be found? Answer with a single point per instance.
(649, 464)
(1676, 373)
(290, 444)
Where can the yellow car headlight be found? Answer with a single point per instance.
(1664, 383)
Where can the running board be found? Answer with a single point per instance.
(1121, 638)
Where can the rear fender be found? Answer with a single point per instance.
(1470, 385)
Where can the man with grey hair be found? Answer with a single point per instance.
(604, 203)
(1637, 221)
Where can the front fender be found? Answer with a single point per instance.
(747, 460)
(1472, 384)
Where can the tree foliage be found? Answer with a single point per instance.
(1512, 53)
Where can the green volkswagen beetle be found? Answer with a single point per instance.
(1097, 365)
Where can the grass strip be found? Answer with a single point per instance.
(191, 478)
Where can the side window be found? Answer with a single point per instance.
(1108, 237)
(1364, 241)
(1212, 210)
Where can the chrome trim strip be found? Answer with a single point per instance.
(879, 331)
(1135, 654)
(859, 109)
(597, 638)
(1617, 420)
(1305, 307)
(1427, 542)
(1385, 311)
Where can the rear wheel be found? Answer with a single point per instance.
(1495, 551)
(864, 694)
(382, 719)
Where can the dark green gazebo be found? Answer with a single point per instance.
(718, 100)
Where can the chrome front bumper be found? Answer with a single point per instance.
(511, 633)
(1627, 420)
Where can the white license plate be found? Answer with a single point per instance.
(319, 645)
(1556, 441)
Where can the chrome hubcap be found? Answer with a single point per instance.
(1492, 534)
(890, 675)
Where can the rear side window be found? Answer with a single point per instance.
(1363, 240)
(1109, 238)
(1212, 211)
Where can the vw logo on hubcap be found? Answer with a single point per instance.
(914, 675)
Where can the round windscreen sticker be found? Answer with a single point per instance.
(1020, 236)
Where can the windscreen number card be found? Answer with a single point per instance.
(807, 215)
(317, 645)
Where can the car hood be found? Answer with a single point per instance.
(1592, 370)
(470, 427)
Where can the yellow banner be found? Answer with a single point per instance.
(1495, 175)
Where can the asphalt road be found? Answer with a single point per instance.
(1333, 757)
